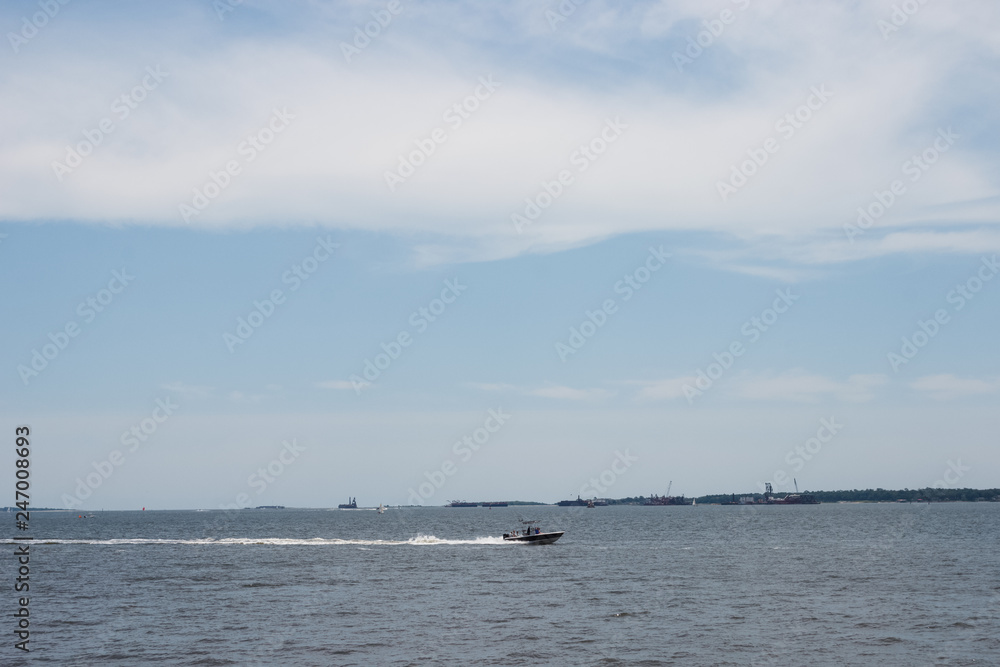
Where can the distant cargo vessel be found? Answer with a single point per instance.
(351, 504)
(580, 502)
(667, 499)
(461, 503)
(499, 504)
(790, 499)
(769, 499)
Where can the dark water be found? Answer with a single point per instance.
(806, 585)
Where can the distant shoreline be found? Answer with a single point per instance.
(852, 496)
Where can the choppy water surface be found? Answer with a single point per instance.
(798, 585)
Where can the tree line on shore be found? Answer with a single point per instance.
(854, 495)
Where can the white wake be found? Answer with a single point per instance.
(419, 540)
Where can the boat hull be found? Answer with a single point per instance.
(540, 538)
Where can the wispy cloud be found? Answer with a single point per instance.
(493, 386)
(663, 390)
(241, 397)
(335, 384)
(190, 391)
(571, 394)
(548, 391)
(657, 176)
(794, 385)
(202, 392)
(799, 386)
(945, 387)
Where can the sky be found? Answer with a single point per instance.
(287, 253)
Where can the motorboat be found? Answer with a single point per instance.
(532, 534)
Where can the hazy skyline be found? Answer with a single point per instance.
(509, 249)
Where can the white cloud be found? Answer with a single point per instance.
(794, 385)
(335, 384)
(795, 258)
(946, 386)
(667, 389)
(570, 394)
(547, 391)
(241, 397)
(799, 386)
(493, 386)
(190, 391)
(685, 130)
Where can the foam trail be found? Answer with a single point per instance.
(419, 540)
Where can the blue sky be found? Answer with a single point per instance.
(577, 159)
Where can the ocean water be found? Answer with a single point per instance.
(848, 584)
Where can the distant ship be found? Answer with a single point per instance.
(769, 498)
(501, 504)
(791, 498)
(666, 500)
(461, 503)
(796, 499)
(660, 501)
(352, 504)
(579, 502)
